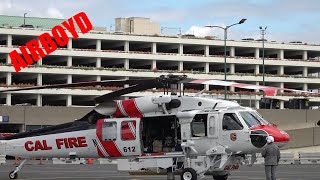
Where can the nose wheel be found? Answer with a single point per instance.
(14, 174)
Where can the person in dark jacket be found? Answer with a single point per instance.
(271, 154)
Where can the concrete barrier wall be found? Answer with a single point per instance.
(46, 115)
(288, 119)
(300, 138)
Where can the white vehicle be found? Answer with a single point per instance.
(196, 135)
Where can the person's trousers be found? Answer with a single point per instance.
(270, 172)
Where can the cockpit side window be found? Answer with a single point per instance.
(199, 125)
(231, 122)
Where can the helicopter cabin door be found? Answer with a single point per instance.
(119, 137)
(234, 135)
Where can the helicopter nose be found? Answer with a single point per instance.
(281, 138)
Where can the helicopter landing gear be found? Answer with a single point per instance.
(14, 174)
(189, 174)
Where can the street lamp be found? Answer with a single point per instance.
(263, 32)
(24, 19)
(225, 49)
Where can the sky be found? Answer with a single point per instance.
(286, 20)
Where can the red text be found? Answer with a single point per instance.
(45, 44)
(37, 145)
(71, 142)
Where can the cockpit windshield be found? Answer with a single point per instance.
(252, 119)
(259, 117)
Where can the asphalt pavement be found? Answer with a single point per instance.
(34, 171)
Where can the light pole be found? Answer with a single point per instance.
(225, 49)
(263, 32)
(24, 19)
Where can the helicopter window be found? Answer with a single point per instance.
(199, 125)
(231, 122)
(109, 131)
(128, 130)
(250, 119)
(259, 117)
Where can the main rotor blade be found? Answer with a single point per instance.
(268, 90)
(152, 83)
(83, 84)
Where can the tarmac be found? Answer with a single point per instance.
(47, 171)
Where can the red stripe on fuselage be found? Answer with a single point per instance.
(131, 108)
(109, 146)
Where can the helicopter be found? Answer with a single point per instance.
(193, 135)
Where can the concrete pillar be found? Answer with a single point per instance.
(126, 46)
(69, 46)
(232, 89)
(257, 104)
(8, 59)
(281, 104)
(257, 83)
(39, 80)
(281, 86)
(154, 48)
(305, 72)
(180, 66)
(207, 50)
(207, 67)
(69, 100)
(232, 68)
(98, 78)
(305, 55)
(232, 51)
(9, 40)
(8, 99)
(39, 62)
(39, 100)
(154, 64)
(280, 70)
(98, 46)
(9, 78)
(256, 69)
(305, 87)
(207, 87)
(126, 64)
(69, 78)
(280, 54)
(180, 50)
(257, 53)
(69, 61)
(98, 63)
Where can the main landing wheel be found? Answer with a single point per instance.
(189, 174)
(225, 177)
(13, 175)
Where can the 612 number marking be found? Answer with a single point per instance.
(129, 149)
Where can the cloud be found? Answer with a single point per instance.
(54, 13)
(5, 5)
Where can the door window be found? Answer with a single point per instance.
(199, 125)
(128, 130)
(231, 122)
(109, 131)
